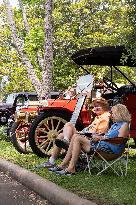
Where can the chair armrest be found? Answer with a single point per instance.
(116, 140)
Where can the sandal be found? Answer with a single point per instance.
(65, 173)
(45, 165)
(55, 168)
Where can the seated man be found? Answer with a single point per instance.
(99, 125)
(120, 128)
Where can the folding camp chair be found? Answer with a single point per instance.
(102, 160)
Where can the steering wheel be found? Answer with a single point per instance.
(110, 84)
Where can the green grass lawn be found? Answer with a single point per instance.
(105, 189)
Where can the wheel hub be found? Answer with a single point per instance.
(52, 135)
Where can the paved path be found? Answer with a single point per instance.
(14, 193)
(46, 189)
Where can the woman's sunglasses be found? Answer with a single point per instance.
(97, 108)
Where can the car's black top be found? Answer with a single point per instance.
(105, 56)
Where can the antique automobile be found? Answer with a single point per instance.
(51, 119)
(22, 119)
(14, 101)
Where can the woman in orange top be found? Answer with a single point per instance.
(101, 121)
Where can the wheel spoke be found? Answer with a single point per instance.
(41, 137)
(60, 130)
(46, 125)
(47, 149)
(22, 137)
(44, 142)
(25, 146)
(53, 142)
(58, 125)
(42, 130)
(52, 125)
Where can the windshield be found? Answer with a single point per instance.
(9, 98)
(33, 97)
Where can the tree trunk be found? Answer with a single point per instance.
(48, 57)
(19, 47)
(46, 64)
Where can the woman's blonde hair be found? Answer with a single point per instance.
(121, 113)
(102, 102)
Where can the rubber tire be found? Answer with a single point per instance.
(9, 127)
(57, 113)
(13, 138)
(6, 116)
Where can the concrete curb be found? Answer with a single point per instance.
(48, 190)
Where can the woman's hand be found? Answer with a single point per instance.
(96, 138)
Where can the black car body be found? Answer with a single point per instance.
(15, 101)
(12, 102)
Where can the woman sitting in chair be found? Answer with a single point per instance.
(120, 128)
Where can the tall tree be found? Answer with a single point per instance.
(44, 86)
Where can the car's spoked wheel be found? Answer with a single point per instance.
(44, 131)
(47, 131)
(19, 137)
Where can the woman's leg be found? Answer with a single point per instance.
(56, 150)
(68, 156)
(79, 142)
(68, 131)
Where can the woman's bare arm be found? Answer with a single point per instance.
(124, 131)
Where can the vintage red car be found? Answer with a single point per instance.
(49, 123)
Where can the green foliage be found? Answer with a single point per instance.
(82, 24)
(87, 24)
(34, 43)
(130, 36)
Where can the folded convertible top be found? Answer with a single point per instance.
(104, 56)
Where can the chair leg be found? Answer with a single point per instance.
(126, 163)
(108, 165)
(88, 164)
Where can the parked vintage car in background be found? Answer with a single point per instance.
(51, 119)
